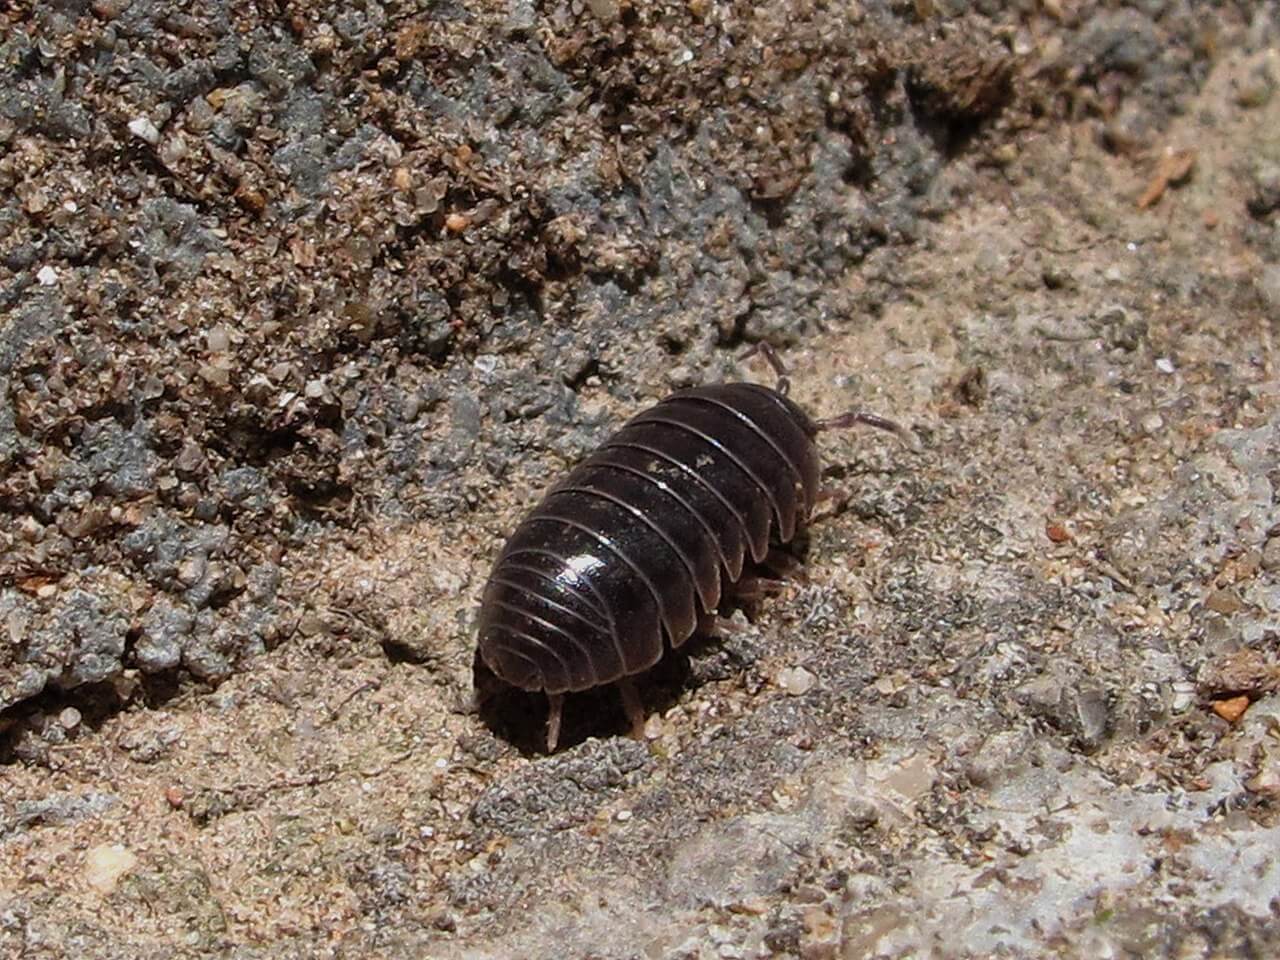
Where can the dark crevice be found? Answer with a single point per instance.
(772, 208)
(247, 441)
(860, 172)
(580, 376)
(96, 703)
(403, 653)
(319, 497)
(953, 118)
(524, 290)
(736, 335)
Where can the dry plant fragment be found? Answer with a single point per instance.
(1174, 167)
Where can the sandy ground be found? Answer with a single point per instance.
(1021, 702)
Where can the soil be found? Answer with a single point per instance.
(303, 305)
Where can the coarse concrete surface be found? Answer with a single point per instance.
(303, 305)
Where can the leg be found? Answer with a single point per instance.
(713, 625)
(750, 589)
(782, 562)
(855, 417)
(827, 494)
(836, 497)
(633, 706)
(556, 704)
(765, 349)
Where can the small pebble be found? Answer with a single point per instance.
(218, 376)
(1224, 602)
(1152, 423)
(69, 718)
(445, 923)
(681, 375)
(30, 530)
(796, 681)
(885, 686)
(1271, 554)
(47, 276)
(18, 621)
(106, 864)
(191, 570)
(605, 10)
(1056, 532)
(751, 907)
(1256, 88)
(218, 339)
(1184, 695)
(144, 129)
(1266, 781)
(1231, 709)
(1165, 365)
(310, 624)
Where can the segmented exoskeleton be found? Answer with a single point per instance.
(634, 547)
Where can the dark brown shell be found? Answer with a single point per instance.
(624, 551)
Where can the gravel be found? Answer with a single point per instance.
(299, 309)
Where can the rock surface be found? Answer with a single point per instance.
(302, 305)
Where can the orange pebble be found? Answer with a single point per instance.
(1231, 709)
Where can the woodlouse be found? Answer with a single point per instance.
(633, 549)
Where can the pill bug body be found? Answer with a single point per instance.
(622, 552)
(633, 549)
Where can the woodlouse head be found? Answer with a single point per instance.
(499, 660)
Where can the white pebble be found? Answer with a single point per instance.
(144, 129)
(1184, 696)
(218, 339)
(47, 276)
(795, 681)
(105, 864)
